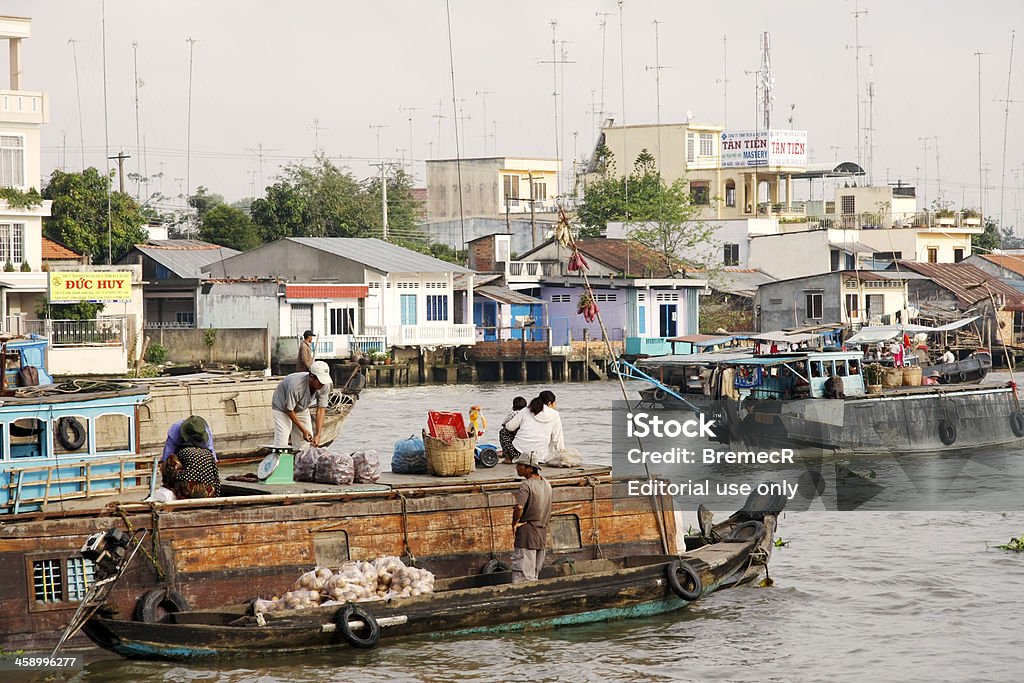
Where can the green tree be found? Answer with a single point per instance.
(403, 208)
(317, 200)
(988, 240)
(79, 215)
(203, 200)
(80, 310)
(229, 227)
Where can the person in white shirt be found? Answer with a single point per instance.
(539, 427)
(948, 357)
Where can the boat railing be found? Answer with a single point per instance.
(40, 485)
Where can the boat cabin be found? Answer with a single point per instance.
(796, 375)
(61, 445)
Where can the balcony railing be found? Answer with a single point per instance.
(427, 334)
(929, 220)
(110, 331)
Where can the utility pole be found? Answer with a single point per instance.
(188, 123)
(78, 91)
(1006, 123)
(383, 166)
(924, 182)
(622, 86)
(981, 181)
(657, 87)
(554, 91)
(439, 116)
(603, 18)
(316, 128)
(377, 127)
(724, 80)
(121, 156)
(938, 172)
(533, 215)
(857, 13)
(869, 131)
(409, 112)
(260, 151)
(138, 134)
(483, 94)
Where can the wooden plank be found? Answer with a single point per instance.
(246, 555)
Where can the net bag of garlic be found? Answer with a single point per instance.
(410, 581)
(313, 580)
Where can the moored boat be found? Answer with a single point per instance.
(566, 594)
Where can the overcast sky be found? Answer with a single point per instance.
(264, 71)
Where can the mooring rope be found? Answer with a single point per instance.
(160, 573)
(405, 531)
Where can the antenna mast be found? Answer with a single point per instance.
(1006, 123)
(857, 13)
(767, 82)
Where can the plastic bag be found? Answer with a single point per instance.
(313, 580)
(334, 468)
(568, 457)
(264, 606)
(367, 466)
(410, 457)
(305, 463)
(410, 581)
(300, 599)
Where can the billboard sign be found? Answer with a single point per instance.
(66, 287)
(769, 148)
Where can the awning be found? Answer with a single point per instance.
(686, 359)
(785, 337)
(704, 339)
(505, 295)
(881, 333)
(765, 361)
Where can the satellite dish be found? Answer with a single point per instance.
(689, 116)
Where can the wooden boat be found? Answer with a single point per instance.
(566, 594)
(970, 370)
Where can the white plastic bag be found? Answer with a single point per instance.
(367, 466)
(568, 457)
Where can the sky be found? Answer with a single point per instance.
(341, 76)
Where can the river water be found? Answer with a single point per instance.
(908, 596)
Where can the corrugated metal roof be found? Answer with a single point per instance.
(969, 284)
(1010, 262)
(379, 255)
(506, 295)
(185, 258)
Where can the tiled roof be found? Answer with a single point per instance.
(325, 291)
(55, 250)
(624, 256)
(969, 284)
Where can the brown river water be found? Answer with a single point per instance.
(886, 596)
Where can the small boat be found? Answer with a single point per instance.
(970, 370)
(567, 594)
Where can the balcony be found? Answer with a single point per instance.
(329, 347)
(932, 221)
(427, 334)
(531, 271)
(24, 106)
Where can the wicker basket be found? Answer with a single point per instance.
(449, 457)
(893, 377)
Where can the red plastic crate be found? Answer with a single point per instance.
(446, 426)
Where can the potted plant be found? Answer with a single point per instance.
(873, 375)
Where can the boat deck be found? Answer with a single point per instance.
(931, 389)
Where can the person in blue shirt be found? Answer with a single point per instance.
(189, 463)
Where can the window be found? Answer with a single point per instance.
(887, 255)
(47, 581)
(12, 161)
(408, 302)
(641, 296)
(849, 204)
(342, 320)
(560, 298)
(690, 152)
(302, 318)
(730, 193)
(540, 190)
(57, 580)
(81, 573)
(933, 254)
(774, 302)
(834, 260)
(851, 305)
(605, 297)
(958, 255)
(814, 305)
(707, 144)
(701, 193)
(185, 318)
(642, 319)
(731, 256)
(511, 190)
(12, 238)
(437, 307)
(666, 296)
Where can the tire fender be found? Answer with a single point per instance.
(748, 531)
(495, 566)
(689, 587)
(166, 599)
(355, 613)
(947, 432)
(71, 433)
(660, 394)
(962, 376)
(1017, 424)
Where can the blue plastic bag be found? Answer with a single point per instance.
(410, 456)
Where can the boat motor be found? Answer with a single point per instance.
(106, 549)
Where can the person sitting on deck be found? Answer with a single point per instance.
(834, 387)
(189, 465)
(947, 357)
(505, 437)
(539, 427)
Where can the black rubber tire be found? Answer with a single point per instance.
(354, 612)
(488, 457)
(659, 394)
(982, 372)
(962, 376)
(1017, 424)
(77, 438)
(168, 600)
(695, 587)
(947, 432)
(742, 533)
(495, 566)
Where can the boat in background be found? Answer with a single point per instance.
(970, 370)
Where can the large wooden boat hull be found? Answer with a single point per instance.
(219, 551)
(237, 408)
(911, 420)
(585, 592)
